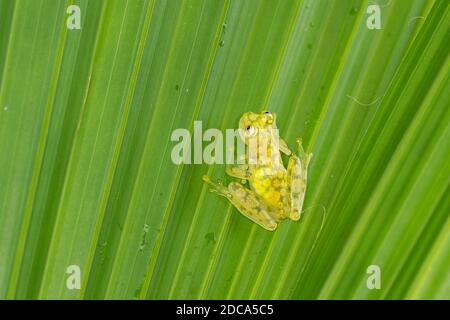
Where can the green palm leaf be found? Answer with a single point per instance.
(86, 176)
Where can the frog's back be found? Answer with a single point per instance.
(270, 184)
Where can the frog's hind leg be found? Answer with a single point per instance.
(297, 173)
(251, 206)
(246, 201)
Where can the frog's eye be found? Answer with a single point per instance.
(250, 130)
(268, 117)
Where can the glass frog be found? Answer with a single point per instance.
(276, 193)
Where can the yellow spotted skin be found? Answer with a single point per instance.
(276, 193)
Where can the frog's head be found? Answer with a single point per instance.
(250, 123)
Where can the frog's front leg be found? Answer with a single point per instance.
(297, 174)
(283, 147)
(246, 201)
(239, 171)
